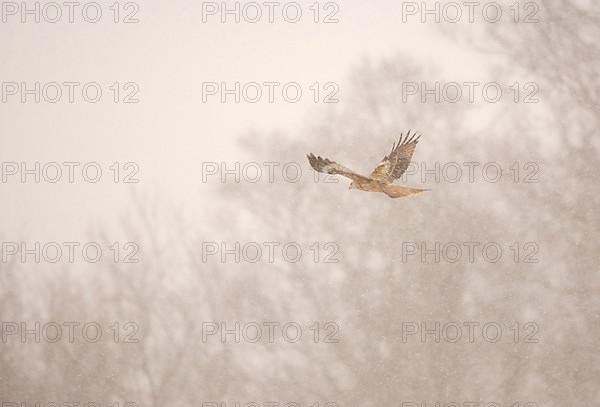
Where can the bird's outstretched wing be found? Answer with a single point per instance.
(396, 162)
(331, 167)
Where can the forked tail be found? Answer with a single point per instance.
(397, 191)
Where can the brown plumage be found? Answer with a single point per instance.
(383, 176)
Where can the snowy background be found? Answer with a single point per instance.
(364, 289)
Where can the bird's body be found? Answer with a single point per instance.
(367, 184)
(383, 176)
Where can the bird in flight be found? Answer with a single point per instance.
(383, 176)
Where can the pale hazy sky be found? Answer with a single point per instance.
(169, 53)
